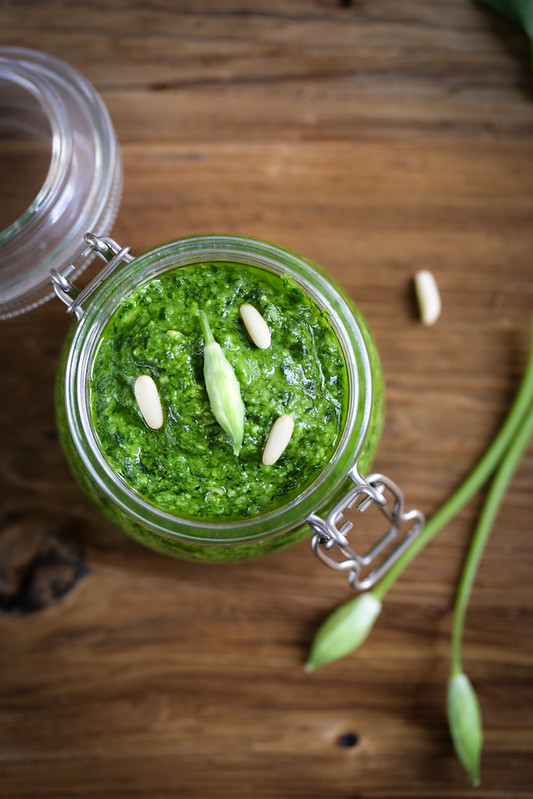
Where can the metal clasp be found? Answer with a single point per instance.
(105, 248)
(331, 533)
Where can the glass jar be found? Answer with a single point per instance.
(49, 101)
(193, 538)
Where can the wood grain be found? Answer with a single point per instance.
(377, 139)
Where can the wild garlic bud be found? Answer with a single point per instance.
(223, 389)
(464, 720)
(344, 630)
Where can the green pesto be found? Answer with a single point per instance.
(188, 466)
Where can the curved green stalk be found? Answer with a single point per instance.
(463, 711)
(490, 510)
(477, 477)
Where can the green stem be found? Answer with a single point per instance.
(490, 510)
(473, 482)
(208, 335)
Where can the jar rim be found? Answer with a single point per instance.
(253, 252)
(83, 184)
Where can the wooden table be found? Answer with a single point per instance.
(377, 139)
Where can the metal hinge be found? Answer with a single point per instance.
(106, 249)
(364, 571)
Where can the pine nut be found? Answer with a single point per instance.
(427, 292)
(148, 401)
(278, 439)
(257, 328)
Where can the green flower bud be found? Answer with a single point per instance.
(464, 720)
(223, 389)
(344, 630)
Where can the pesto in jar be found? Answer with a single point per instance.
(188, 466)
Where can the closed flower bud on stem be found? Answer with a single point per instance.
(344, 630)
(464, 719)
(223, 389)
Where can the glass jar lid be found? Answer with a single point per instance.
(47, 106)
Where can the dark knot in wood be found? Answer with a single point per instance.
(40, 562)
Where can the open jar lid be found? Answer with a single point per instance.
(51, 115)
